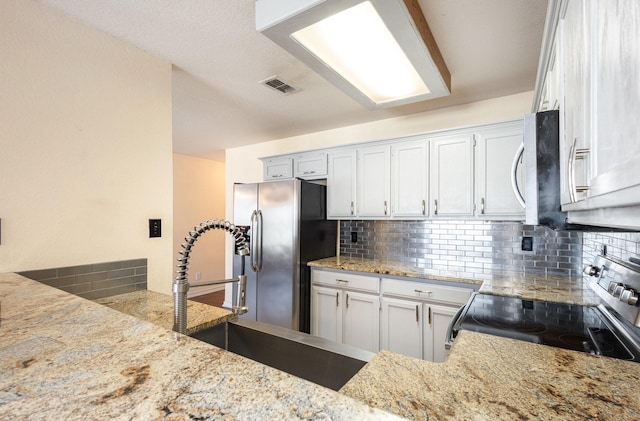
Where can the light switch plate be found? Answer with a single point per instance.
(155, 228)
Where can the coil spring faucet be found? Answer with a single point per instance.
(181, 284)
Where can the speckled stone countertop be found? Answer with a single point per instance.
(536, 286)
(491, 378)
(158, 309)
(487, 377)
(64, 357)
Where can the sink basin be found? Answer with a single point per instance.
(318, 360)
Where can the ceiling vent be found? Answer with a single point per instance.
(277, 84)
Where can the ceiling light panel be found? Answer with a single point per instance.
(380, 52)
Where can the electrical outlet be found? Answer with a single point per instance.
(527, 243)
(354, 237)
(155, 228)
(197, 276)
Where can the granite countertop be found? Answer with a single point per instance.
(530, 285)
(64, 357)
(487, 377)
(491, 378)
(158, 309)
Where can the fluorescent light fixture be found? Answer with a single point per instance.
(380, 52)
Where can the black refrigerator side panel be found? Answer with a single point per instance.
(245, 201)
(317, 241)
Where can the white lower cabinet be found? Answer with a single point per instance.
(326, 319)
(416, 315)
(361, 320)
(402, 326)
(402, 316)
(435, 332)
(342, 312)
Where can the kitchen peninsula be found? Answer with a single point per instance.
(63, 357)
(66, 357)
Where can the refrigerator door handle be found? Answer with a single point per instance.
(253, 240)
(259, 254)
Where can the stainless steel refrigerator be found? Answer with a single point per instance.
(287, 226)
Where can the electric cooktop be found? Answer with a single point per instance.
(568, 326)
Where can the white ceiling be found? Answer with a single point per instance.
(491, 48)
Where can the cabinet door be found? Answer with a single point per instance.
(616, 145)
(574, 124)
(276, 169)
(310, 166)
(438, 318)
(341, 185)
(409, 179)
(495, 152)
(326, 313)
(361, 320)
(451, 174)
(373, 182)
(402, 326)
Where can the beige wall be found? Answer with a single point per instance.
(85, 146)
(243, 164)
(198, 194)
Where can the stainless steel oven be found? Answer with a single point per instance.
(610, 329)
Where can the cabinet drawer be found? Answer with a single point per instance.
(346, 280)
(425, 292)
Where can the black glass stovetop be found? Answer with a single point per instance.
(568, 326)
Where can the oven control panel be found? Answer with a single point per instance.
(617, 282)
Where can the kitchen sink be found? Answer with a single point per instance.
(318, 360)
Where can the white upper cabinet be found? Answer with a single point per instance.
(495, 152)
(310, 166)
(341, 184)
(451, 175)
(615, 145)
(277, 168)
(409, 179)
(575, 130)
(597, 55)
(373, 181)
(458, 173)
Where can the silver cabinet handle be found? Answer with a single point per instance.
(435, 206)
(352, 208)
(337, 302)
(419, 291)
(309, 172)
(424, 207)
(417, 314)
(385, 207)
(347, 301)
(482, 205)
(514, 175)
(574, 155)
(570, 172)
(429, 319)
(342, 280)
(581, 154)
